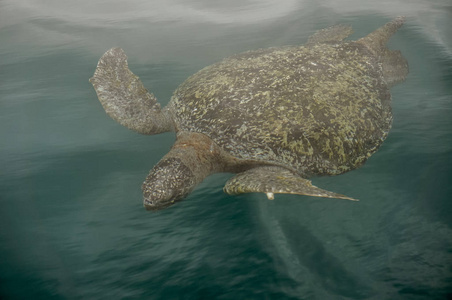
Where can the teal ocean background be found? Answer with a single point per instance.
(72, 225)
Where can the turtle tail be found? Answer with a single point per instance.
(394, 65)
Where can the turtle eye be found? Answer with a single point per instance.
(148, 204)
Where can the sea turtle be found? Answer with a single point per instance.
(274, 116)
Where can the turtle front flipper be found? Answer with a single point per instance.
(124, 97)
(275, 180)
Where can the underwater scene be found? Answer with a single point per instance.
(72, 221)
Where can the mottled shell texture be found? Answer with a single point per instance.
(318, 109)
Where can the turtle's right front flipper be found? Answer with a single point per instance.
(124, 97)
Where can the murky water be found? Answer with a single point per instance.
(71, 218)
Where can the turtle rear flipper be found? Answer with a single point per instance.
(331, 34)
(376, 40)
(394, 66)
(275, 180)
(124, 97)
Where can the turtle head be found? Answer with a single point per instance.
(167, 183)
(191, 159)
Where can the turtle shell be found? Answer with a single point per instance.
(320, 109)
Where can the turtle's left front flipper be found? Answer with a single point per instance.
(124, 97)
(275, 180)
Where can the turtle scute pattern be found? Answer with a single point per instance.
(321, 109)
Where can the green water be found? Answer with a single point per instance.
(72, 225)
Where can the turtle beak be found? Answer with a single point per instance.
(156, 205)
(158, 199)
